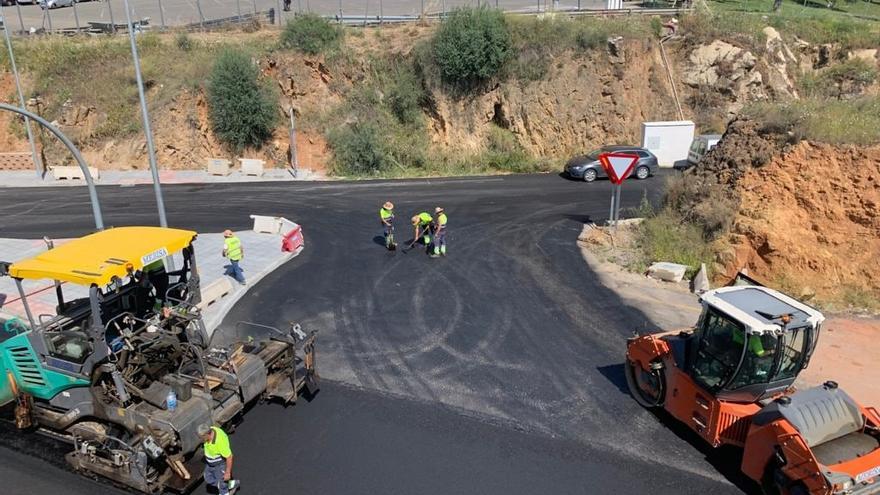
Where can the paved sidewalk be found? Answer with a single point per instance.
(134, 177)
(262, 255)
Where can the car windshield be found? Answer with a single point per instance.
(594, 155)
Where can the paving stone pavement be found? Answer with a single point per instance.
(262, 255)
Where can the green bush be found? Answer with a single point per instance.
(184, 42)
(311, 34)
(405, 93)
(471, 46)
(242, 109)
(358, 149)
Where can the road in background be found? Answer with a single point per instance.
(184, 12)
(495, 370)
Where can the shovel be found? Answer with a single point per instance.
(415, 240)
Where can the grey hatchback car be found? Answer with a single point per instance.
(587, 167)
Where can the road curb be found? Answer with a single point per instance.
(217, 312)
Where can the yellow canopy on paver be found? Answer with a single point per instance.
(98, 257)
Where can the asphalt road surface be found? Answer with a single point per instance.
(496, 370)
(182, 12)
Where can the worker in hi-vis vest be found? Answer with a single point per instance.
(234, 252)
(218, 459)
(386, 216)
(439, 233)
(422, 227)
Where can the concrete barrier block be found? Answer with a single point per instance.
(252, 166)
(267, 225)
(669, 272)
(215, 291)
(219, 166)
(69, 172)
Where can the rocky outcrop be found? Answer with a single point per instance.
(586, 100)
(779, 60)
(728, 70)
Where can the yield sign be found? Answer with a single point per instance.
(618, 166)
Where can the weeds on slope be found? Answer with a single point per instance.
(822, 120)
(99, 73)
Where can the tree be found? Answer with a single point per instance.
(242, 109)
(472, 45)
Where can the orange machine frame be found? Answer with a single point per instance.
(726, 423)
(718, 422)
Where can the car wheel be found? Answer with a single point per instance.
(589, 175)
(643, 173)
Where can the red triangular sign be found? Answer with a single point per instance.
(618, 166)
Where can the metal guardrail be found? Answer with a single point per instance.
(356, 20)
(268, 15)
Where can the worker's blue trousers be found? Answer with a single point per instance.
(214, 476)
(235, 270)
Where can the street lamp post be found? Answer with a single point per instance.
(27, 122)
(93, 193)
(151, 152)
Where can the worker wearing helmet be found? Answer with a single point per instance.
(422, 227)
(439, 233)
(386, 216)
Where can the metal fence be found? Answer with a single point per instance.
(108, 16)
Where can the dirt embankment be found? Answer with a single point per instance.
(9, 140)
(803, 217)
(585, 101)
(587, 98)
(809, 220)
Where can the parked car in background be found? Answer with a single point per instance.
(700, 146)
(587, 167)
(54, 4)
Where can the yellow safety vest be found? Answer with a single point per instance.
(233, 248)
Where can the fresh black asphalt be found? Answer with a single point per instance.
(496, 370)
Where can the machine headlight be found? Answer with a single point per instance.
(842, 487)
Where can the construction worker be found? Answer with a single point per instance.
(755, 345)
(439, 233)
(218, 459)
(234, 252)
(386, 215)
(422, 227)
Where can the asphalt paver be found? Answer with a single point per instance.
(494, 370)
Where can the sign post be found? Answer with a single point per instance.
(618, 166)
